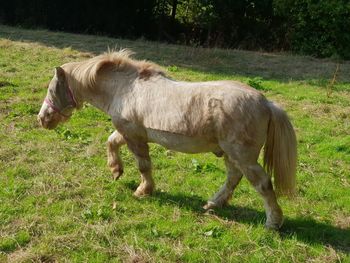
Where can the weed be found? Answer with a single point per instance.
(256, 83)
(332, 82)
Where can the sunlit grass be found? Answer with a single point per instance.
(58, 202)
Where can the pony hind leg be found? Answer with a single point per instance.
(222, 197)
(115, 141)
(143, 161)
(246, 160)
(262, 183)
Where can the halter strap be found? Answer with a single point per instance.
(71, 95)
(56, 109)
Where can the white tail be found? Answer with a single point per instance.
(280, 152)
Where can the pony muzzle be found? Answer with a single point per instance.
(49, 118)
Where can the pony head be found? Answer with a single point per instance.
(59, 102)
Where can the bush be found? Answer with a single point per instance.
(318, 28)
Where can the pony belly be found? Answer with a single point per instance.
(181, 143)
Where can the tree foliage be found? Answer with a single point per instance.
(320, 28)
(315, 27)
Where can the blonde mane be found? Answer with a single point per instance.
(87, 72)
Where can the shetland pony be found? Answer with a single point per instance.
(227, 118)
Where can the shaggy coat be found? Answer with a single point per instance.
(227, 118)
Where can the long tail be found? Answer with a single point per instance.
(280, 152)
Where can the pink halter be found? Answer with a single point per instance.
(56, 109)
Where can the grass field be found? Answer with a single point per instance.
(58, 202)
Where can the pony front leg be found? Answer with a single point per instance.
(143, 161)
(115, 141)
(222, 197)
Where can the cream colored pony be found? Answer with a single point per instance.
(227, 118)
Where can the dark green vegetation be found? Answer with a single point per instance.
(58, 202)
(317, 28)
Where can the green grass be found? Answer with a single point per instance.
(58, 202)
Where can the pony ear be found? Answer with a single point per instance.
(60, 74)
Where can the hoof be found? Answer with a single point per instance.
(210, 205)
(215, 204)
(142, 191)
(274, 225)
(116, 173)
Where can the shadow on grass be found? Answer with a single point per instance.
(307, 230)
(223, 63)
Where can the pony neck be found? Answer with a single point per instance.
(103, 96)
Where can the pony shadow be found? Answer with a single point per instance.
(306, 230)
